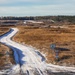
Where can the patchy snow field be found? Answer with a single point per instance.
(29, 61)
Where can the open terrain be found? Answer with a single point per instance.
(30, 61)
(42, 38)
(3, 30)
(6, 54)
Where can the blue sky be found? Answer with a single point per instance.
(36, 7)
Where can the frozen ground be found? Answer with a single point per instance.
(29, 61)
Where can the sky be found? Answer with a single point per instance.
(36, 7)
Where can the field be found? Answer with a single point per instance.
(42, 38)
(4, 58)
(3, 30)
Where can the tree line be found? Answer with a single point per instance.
(55, 18)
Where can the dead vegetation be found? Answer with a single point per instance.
(5, 60)
(42, 38)
(3, 30)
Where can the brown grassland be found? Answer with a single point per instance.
(42, 38)
(5, 59)
(3, 30)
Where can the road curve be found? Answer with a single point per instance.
(28, 60)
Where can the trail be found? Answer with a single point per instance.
(28, 60)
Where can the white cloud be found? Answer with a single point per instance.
(56, 7)
(38, 10)
(13, 1)
(37, 1)
(3, 1)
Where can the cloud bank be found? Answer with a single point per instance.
(36, 8)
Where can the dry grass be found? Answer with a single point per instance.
(42, 38)
(3, 30)
(5, 59)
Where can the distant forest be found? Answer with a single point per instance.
(70, 19)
